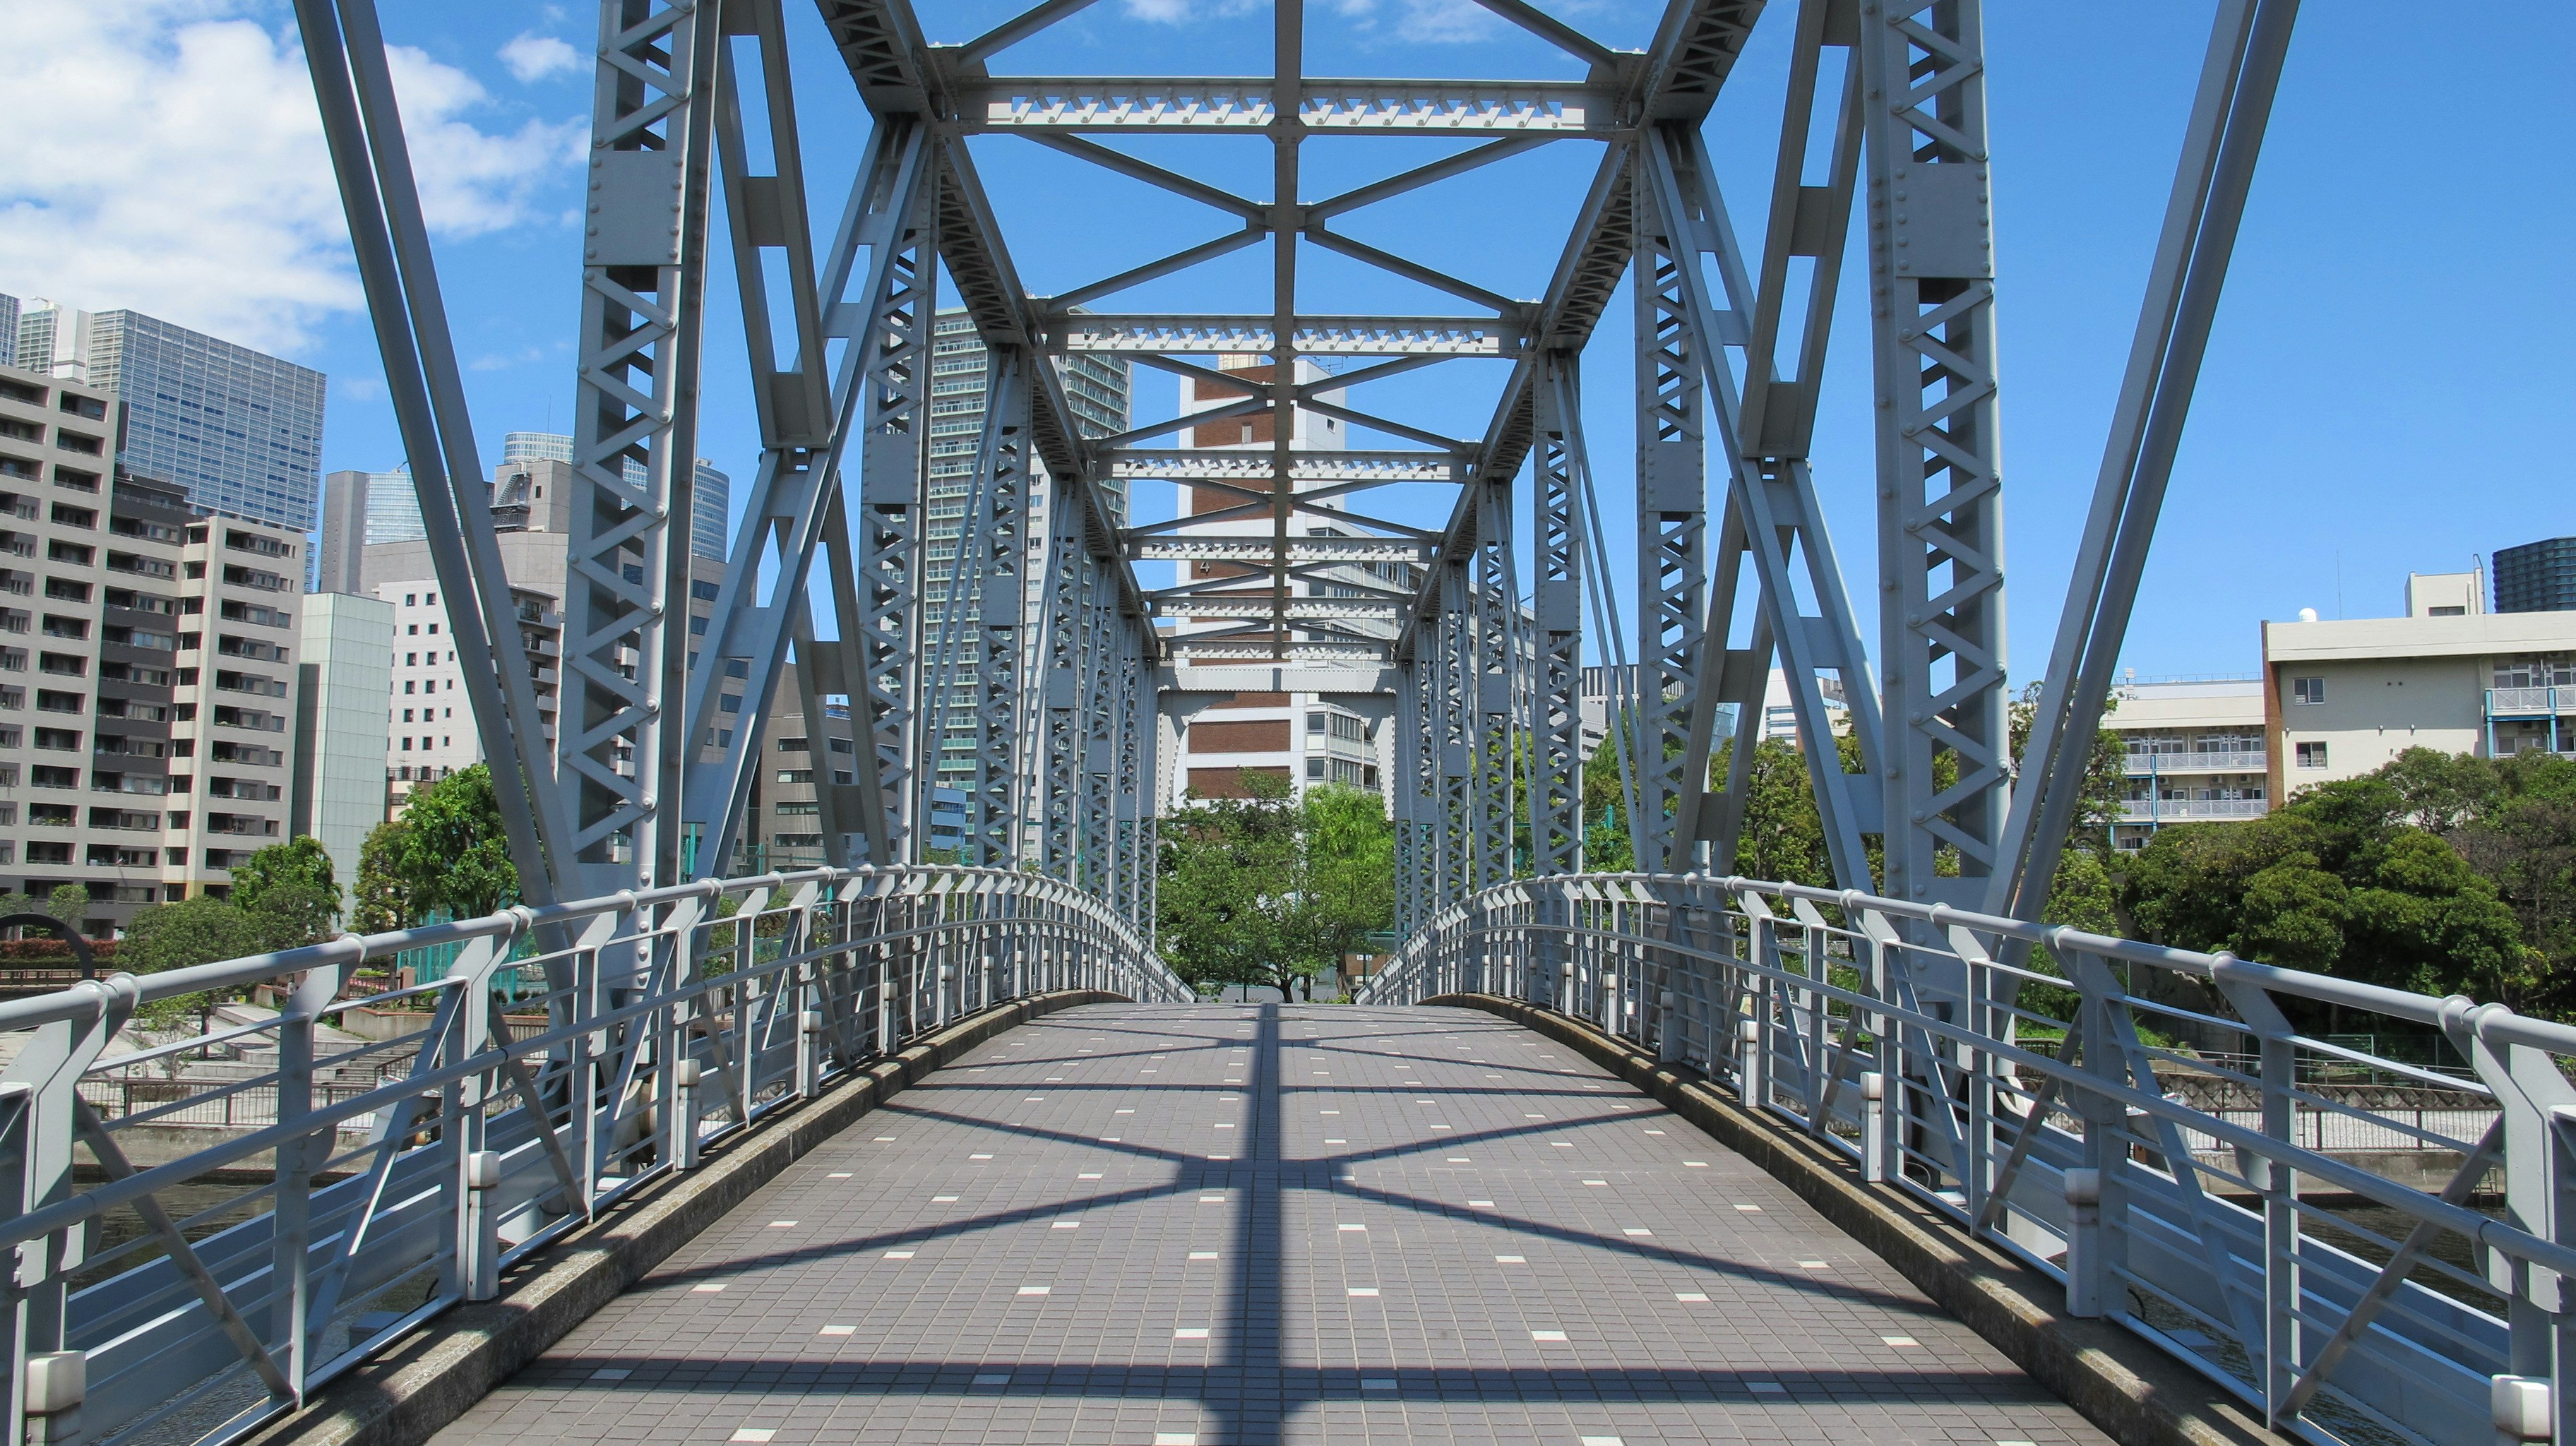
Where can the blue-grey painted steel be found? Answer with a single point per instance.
(330, 1201)
(2165, 1099)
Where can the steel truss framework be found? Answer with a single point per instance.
(1018, 663)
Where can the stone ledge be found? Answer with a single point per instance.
(429, 1378)
(2134, 1392)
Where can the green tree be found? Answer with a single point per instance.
(1265, 890)
(380, 901)
(176, 935)
(2436, 873)
(290, 916)
(451, 853)
(69, 903)
(299, 861)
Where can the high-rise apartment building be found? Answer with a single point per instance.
(238, 429)
(2537, 577)
(1096, 388)
(147, 678)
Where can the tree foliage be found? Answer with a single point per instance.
(300, 861)
(1267, 890)
(446, 853)
(2437, 873)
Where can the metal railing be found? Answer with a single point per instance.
(2175, 810)
(2172, 1135)
(2141, 763)
(219, 1223)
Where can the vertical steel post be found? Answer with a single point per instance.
(1556, 704)
(620, 744)
(1672, 532)
(1940, 536)
(1497, 657)
(894, 431)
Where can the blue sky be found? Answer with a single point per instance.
(2380, 397)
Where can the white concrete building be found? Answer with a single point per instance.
(2195, 751)
(2345, 697)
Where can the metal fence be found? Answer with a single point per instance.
(2329, 1251)
(348, 1187)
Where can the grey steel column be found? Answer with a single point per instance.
(1060, 741)
(1497, 670)
(1405, 760)
(1940, 535)
(2248, 42)
(1556, 728)
(361, 124)
(1457, 722)
(620, 748)
(1001, 600)
(1097, 842)
(1672, 535)
(894, 432)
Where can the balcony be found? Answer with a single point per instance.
(2530, 702)
(2148, 765)
(2191, 810)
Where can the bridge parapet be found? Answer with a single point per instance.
(2192, 1144)
(351, 1182)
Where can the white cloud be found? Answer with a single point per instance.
(1182, 12)
(1437, 22)
(532, 57)
(165, 155)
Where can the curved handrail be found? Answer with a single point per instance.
(2154, 1145)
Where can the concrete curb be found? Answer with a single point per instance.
(2135, 1393)
(429, 1378)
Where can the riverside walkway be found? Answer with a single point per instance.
(1175, 1224)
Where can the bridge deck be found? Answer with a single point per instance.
(1257, 1224)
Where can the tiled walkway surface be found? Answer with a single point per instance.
(1173, 1224)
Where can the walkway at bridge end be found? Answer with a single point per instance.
(1173, 1224)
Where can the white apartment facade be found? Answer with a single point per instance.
(2194, 750)
(2346, 697)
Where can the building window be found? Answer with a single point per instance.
(1314, 768)
(2307, 690)
(1314, 722)
(2312, 755)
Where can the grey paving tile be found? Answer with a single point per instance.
(1131, 1224)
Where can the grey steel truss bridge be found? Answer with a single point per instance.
(1030, 639)
(211, 1231)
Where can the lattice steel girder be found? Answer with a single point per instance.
(1373, 468)
(1318, 335)
(1258, 605)
(1672, 534)
(1556, 595)
(1061, 638)
(1498, 685)
(1243, 649)
(1455, 724)
(1249, 104)
(1247, 548)
(619, 744)
(1940, 538)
